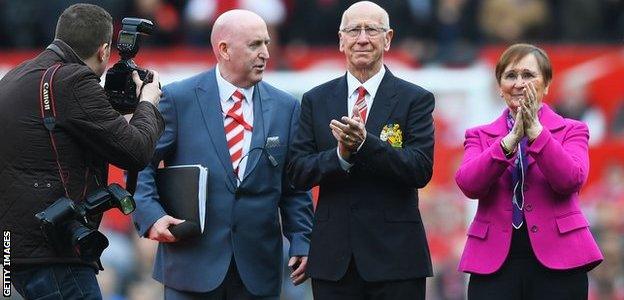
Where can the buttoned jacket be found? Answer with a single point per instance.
(558, 164)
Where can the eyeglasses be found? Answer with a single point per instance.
(369, 31)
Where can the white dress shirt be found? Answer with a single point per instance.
(226, 89)
(371, 86)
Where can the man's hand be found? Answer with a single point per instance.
(298, 264)
(151, 91)
(345, 153)
(160, 230)
(350, 133)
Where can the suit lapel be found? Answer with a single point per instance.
(337, 106)
(384, 102)
(496, 129)
(551, 120)
(262, 110)
(208, 100)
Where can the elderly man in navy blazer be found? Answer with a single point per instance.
(366, 139)
(240, 128)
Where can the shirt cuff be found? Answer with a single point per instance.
(345, 165)
(362, 144)
(498, 153)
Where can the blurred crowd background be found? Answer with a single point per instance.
(431, 31)
(439, 44)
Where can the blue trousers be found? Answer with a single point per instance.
(232, 288)
(56, 282)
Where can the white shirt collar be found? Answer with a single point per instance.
(371, 85)
(226, 89)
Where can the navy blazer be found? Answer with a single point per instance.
(371, 212)
(242, 222)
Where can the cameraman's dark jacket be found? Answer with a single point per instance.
(89, 134)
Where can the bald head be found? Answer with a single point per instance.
(364, 35)
(365, 9)
(231, 24)
(239, 41)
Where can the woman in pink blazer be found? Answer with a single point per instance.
(529, 238)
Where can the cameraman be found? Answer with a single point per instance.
(88, 134)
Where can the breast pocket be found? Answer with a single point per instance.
(278, 153)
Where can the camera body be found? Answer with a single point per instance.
(119, 85)
(65, 222)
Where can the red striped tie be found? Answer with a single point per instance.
(235, 127)
(361, 103)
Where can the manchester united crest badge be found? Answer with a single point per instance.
(392, 134)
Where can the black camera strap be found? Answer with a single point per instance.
(48, 114)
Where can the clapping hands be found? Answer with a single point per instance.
(526, 120)
(529, 107)
(349, 132)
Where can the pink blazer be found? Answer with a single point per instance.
(558, 166)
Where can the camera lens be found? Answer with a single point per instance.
(88, 243)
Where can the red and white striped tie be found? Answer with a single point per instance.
(361, 103)
(235, 127)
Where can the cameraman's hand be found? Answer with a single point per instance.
(151, 91)
(160, 230)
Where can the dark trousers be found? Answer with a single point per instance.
(232, 288)
(353, 287)
(56, 282)
(523, 277)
